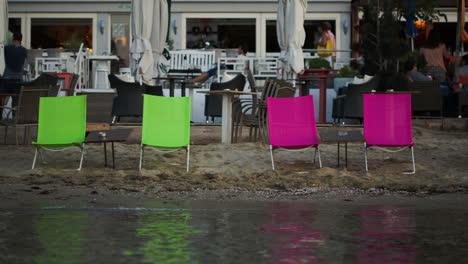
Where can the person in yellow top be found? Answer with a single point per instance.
(327, 41)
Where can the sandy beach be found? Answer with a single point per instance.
(238, 168)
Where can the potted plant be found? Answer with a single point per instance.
(345, 75)
(319, 63)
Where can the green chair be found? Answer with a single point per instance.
(61, 124)
(166, 124)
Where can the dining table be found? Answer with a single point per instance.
(226, 114)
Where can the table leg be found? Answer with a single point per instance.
(113, 159)
(105, 155)
(323, 100)
(226, 124)
(171, 87)
(338, 153)
(182, 89)
(346, 154)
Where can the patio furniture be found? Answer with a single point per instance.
(348, 102)
(106, 136)
(50, 81)
(166, 125)
(462, 94)
(26, 111)
(291, 125)
(128, 100)
(213, 102)
(341, 136)
(427, 97)
(252, 113)
(61, 130)
(388, 124)
(153, 89)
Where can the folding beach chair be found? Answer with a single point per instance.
(166, 124)
(291, 125)
(61, 124)
(387, 123)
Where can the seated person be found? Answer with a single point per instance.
(211, 72)
(463, 71)
(413, 74)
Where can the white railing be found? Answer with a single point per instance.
(192, 59)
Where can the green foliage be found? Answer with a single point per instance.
(319, 63)
(346, 72)
(383, 43)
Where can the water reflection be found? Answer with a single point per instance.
(293, 236)
(167, 235)
(236, 232)
(60, 236)
(386, 236)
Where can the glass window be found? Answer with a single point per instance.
(14, 26)
(120, 38)
(223, 33)
(66, 33)
(311, 29)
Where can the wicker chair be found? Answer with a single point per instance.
(252, 114)
(213, 102)
(45, 79)
(128, 100)
(26, 111)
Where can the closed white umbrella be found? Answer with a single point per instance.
(3, 32)
(159, 34)
(291, 34)
(150, 26)
(141, 51)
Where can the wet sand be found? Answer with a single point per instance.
(244, 168)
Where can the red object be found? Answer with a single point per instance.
(322, 75)
(65, 76)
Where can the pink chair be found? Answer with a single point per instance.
(387, 123)
(291, 125)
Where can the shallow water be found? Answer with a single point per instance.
(236, 232)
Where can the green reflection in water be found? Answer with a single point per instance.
(168, 233)
(60, 235)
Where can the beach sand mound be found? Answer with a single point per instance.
(440, 161)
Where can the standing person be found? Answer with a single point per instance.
(15, 56)
(434, 52)
(327, 41)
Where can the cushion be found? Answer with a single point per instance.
(227, 77)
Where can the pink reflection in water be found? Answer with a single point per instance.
(292, 236)
(386, 235)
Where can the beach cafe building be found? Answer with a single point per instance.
(104, 25)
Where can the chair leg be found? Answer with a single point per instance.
(141, 157)
(319, 157)
(414, 165)
(16, 136)
(272, 160)
(34, 160)
(188, 158)
(82, 156)
(315, 155)
(365, 156)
